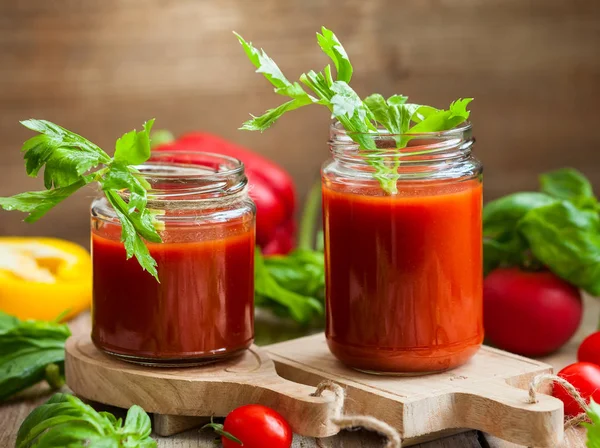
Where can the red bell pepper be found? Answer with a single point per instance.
(270, 186)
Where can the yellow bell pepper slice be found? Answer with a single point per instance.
(42, 278)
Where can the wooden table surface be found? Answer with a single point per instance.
(13, 412)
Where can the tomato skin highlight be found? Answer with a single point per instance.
(529, 313)
(589, 350)
(585, 376)
(257, 426)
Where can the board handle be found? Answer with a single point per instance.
(307, 415)
(505, 412)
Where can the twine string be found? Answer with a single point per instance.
(343, 421)
(539, 380)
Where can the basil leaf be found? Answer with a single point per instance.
(133, 148)
(593, 428)
(270, 292)
(137, 423)
(569, 184)
(302, 271)
(26, 349)
(65, 421)
(567, 240)
(502, 215)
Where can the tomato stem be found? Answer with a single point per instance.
(218, 428)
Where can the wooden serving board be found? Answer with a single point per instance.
(486, 394)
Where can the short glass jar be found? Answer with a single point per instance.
(403, 268)
(202, 309)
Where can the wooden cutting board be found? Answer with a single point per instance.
(485, 394)
(488, 394)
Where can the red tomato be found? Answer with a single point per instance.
(257, 426)
(529, 313)
(589, 350)
(585, 376)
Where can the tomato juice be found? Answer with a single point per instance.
(201, 310)
(404, 274)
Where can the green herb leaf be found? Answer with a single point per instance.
(64, 154)
(569, 184)
(593, 428)
(442, 120)
(332, 47)
(567, 240)
(132, 226)
(27, 348)
(133, 148)
(267, 289)
(65, 420)
(503, 215)
(38, 203)
(66, 158)
(358, 117)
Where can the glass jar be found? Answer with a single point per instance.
(403, 268)
(202, 309)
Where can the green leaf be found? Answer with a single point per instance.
(65, 421)
(593, 428)
(38, 203)
(68, 158)
(302, 271)
(26, 349)
(137, 423)
(503, 250)
(264, 64)
(300, 308)
(265, 121)
(119, 177)
(133, 148)
(133, 225)
(567, 240)
(502, 215)
(346, 102)
(569, 184)
(65, 155)
(443, 120)
(332, 47)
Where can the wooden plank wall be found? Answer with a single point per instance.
(103, 67)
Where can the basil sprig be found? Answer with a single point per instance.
(558, 227)
(65, 421)
(30, 351)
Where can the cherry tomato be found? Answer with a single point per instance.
(257, 426)
(589, 350)
(529, 313)
(585, 376)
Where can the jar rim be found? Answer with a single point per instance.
(188, 165)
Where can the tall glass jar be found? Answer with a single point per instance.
(404, 262)
(202, 309)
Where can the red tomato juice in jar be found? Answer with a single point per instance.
(404, 270)
(202, 309)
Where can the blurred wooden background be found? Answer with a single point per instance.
(101, 68)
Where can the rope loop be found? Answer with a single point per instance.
(352, 421)
(544, 378)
